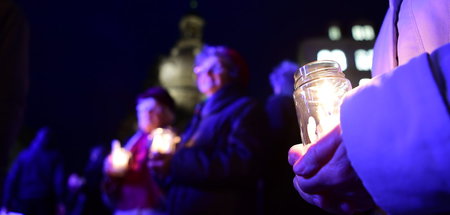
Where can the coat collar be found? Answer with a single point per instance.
(221, 99)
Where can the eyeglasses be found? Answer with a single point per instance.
(214, 69)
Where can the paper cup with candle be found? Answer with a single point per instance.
(163, 141)
(119, 159)
(319, 89)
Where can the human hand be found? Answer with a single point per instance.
(116, 164)
(75, 182)
(325, 177)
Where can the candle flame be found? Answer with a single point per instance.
(119, 157)
(163, 141)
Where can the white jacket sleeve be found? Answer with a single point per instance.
(397, 134)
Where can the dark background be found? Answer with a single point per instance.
(89, 58)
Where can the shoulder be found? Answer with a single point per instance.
(245, 102)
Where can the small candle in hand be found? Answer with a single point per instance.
(163, 141)
(119, 158)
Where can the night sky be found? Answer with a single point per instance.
(89, 58)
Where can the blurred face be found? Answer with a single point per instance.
(211, 76)
(150, 115)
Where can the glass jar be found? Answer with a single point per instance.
(318, 92)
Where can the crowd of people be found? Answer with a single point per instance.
(216, 168)
(388, 155)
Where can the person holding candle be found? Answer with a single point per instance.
(216, 169)
(392, 147)
(135, 191)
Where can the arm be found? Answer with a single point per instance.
(396, 132)
(395, 140)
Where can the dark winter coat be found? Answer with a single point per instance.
(217, 169)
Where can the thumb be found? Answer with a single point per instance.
(319, 154)
(296, 153)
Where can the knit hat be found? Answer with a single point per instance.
(159, 94)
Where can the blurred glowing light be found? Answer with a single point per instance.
(163, 141)
(363, 32)
(335, 54)
(334, 33)
(363, 59)
(364, 81)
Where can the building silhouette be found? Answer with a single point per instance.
(175, 72)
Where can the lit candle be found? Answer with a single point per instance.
(319, 89)
(328, 110)
(163, 141)
(119, 158)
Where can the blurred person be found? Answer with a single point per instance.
(280, 198)
(137, 192)
(85, 190)
(13, 77)
(35, 182)
(216, 170)
(392, 147)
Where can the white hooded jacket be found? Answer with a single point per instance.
(396, 129)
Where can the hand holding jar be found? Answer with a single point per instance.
(163, 144)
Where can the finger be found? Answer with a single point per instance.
(296, 152)
(334, 174)
(325, 200)
(319, 154)
(307, 197)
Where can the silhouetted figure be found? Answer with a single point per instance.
(86, 190)
(35, 183)
(280, 196)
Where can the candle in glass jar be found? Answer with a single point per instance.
(319, 89)
(163, 141)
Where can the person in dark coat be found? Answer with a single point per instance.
(280, 197)
(86, 197)
(137, 191)
(217, 167)
(35, 183)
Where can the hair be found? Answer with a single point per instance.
(163, 97)
(44, 139)
(230, 59)
(282, 77)
(159, 94)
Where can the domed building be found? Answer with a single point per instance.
(175, 71)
